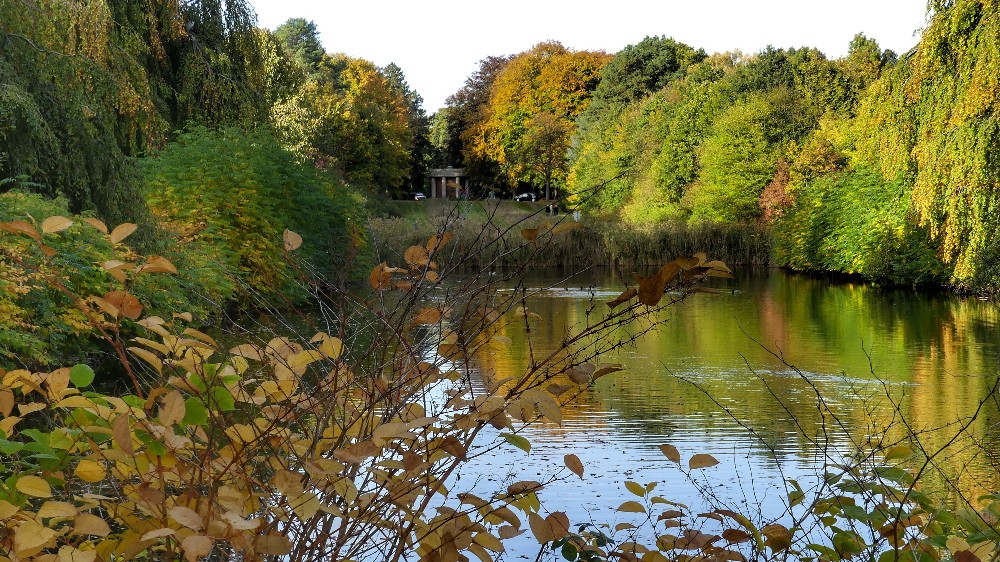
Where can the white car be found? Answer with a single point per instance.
(417, 196)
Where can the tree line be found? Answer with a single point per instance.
(875, 163)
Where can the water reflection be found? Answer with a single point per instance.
(740, 375)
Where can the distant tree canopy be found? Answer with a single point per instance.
(548, 79)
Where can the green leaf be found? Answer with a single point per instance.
(195, 412)
(223, 399)
(81, 375)
(10, 447)
(517, 441)
(569, 551)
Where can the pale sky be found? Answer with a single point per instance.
(438, 43)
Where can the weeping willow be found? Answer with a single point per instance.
(933, 122)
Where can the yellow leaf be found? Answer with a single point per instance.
(489, 541)
(248, 350)
(702, 460)
(635, 488)
(7, 510)
(574, 464)
(331, 347)
(122, 232)
(90, 471)
(196, 546)
(57, 509)
(898, 452)
(148, 357)
(89, 524)
(76, 401)
(529, 234)
(68, 553)
(55, 224)
(30, 538)
(632, 507)
(34, 486)
(25, 409)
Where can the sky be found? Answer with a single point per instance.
(439, 43)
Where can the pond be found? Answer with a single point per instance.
(738, 375)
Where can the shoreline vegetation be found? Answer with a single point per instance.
(593, 241)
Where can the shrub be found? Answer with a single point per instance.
(227, 195)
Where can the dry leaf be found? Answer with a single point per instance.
(55, 224)
(702, 460)
(574, 464)
(292, 240)
(122, 232)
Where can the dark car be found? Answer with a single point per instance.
(527, 196)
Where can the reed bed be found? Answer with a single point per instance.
(490, 236)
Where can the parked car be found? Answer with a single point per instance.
(417, 196)
(525, 197)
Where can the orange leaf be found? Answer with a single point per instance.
(702, 461)
(380, 277)
(126, 303)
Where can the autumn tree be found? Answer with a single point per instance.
(353, 119)
(548, 78)
(455, 134)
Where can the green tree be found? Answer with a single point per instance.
(932, 122)
(301, 39)
(420, 147)
(739, 157)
